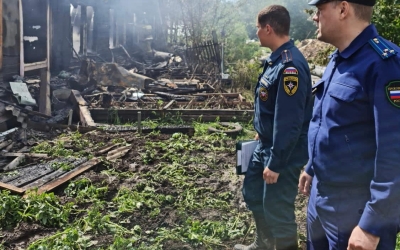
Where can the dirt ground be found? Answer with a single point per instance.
(134, 171)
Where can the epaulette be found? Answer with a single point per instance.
(286, 56)
(382, 48)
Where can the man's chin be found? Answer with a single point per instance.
(320, 37)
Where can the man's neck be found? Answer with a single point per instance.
(279, 41)
(348, 35)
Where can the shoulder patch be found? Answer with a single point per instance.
(290, 80)
(290, 71)
(393, 93)
(286, 56)
(382, 48)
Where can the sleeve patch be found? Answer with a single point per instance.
(290, 84)
(290, 71)
(393, 93)
(290, 80)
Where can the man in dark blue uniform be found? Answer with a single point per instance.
(354, 136)
(283, 110)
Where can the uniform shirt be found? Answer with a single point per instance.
(354, 136)
(283, 107)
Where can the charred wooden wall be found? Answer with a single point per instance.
(61, 50)
(11, 39)
(101, 30)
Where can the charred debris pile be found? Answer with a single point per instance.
(188, 78)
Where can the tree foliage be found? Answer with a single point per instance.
(386, 19)
(301, 25)
(191, 21)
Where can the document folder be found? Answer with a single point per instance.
(244, 151)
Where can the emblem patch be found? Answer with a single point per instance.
(290, 84)
(263, 93)
(290, 71)
(393, 93)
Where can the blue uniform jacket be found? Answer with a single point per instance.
(283, 108)
(354, 136)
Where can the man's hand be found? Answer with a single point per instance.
(256, 137)
(270, 177)
(305, 183)
(362, 240)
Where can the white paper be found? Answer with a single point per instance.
(244, 155)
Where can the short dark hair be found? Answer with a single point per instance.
(277, 17)
(363, 12)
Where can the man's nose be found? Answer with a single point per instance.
(315, 18)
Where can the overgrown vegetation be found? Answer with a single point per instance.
(171, 191)
(245, 75)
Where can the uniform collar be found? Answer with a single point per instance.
(363, 38)
(277, 53)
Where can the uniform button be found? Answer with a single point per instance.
(360, 211)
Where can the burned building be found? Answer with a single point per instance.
(37, 35)
(43, 37)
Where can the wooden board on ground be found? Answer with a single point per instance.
(130, 115)
(81, 107)
(73, 173)
(47, 180)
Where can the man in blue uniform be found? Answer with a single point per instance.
(283, 110)
(354, 136)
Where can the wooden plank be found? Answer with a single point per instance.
(15, 163)
(96, 111)
(25, 154)
(21, 40)
(105, 149)
(130, 115)
(118, 153)
(77, 98)
(44, 100)
(24, 179)
(71, 113)
(44, 179)
(5, 144)
(77, 171)
(191, 117)
(82, 108)
(169, 104)
(12, 188)
(36, 65)
(45, 127)
(231, 95)
(228, 103)
(192, 102)
(86, 117)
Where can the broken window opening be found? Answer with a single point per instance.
(34, 30)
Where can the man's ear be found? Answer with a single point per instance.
(344, 9)
(268, 28)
